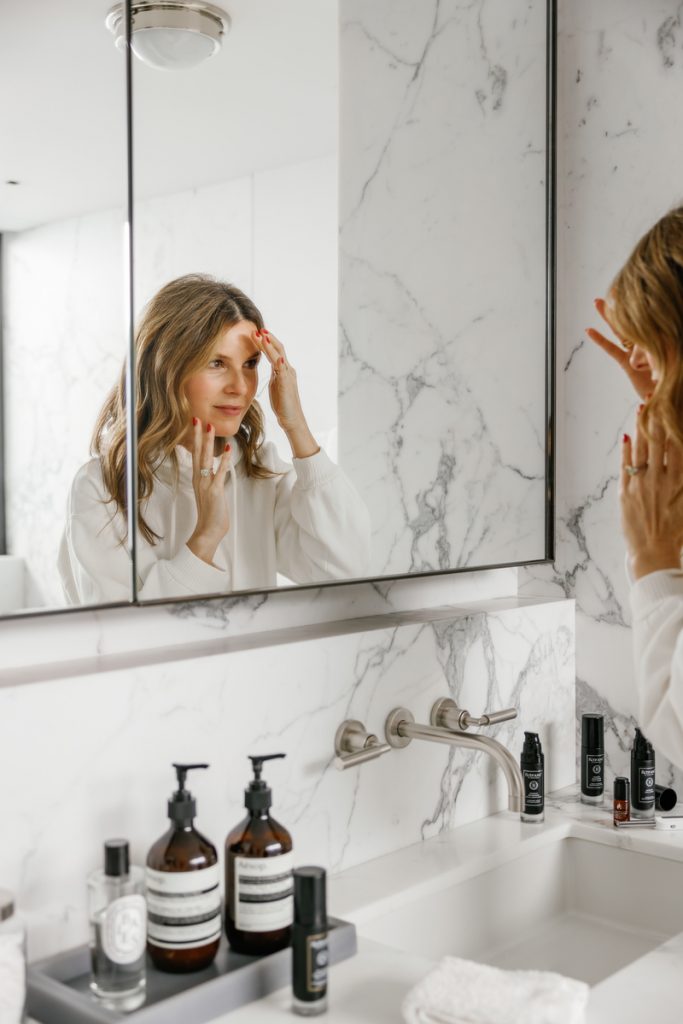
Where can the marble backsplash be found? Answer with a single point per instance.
(89, 757)
(620, 79)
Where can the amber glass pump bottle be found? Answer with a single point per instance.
(183, 895)
(259, 905)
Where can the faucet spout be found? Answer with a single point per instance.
(401, 728)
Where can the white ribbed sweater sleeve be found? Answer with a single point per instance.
(657, 605)
(95, 565)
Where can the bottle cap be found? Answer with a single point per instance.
(622, 788)
(532, 750)
(310, 901)
(665, 798)
(642, 748)
(257, 796)
(116, 857)
(6, 904)
(182, 807)
(592, 731)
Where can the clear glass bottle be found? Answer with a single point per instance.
(12, 962)
(118, 929)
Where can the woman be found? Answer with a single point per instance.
(645, 313)
(218, 510)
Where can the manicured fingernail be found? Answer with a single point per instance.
(264, 330)
(195, 421)
(258, 334)
(626, 439)
(640, 408)
(282, 359)
(208, 427)
(227, 447)
(267, 340)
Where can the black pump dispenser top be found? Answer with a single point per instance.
(531, 750)
(642, 748)
(257, 796)
(182, 807)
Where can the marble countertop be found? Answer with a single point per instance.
(369, 988)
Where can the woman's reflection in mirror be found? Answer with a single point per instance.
(218, 509)
(645, 316)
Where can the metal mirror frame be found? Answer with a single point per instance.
(550, 328)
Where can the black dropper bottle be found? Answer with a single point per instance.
(642, 778)
(258, 873)
(532, 764)
(183, 895)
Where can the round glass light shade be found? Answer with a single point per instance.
(171, 49)
(171, 34)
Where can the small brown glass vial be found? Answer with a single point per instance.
(622, 799)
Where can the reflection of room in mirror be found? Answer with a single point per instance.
(63, 133)
(442, 263)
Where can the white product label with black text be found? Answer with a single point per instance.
(183, 907)
(123, 929)
(264, 899)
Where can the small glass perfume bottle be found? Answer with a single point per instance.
(622, 799)
(118, 929)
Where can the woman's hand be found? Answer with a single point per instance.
(209, 490)
(651, 496)
(640, 378)
(284, 397)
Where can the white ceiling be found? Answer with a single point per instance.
(268, 98)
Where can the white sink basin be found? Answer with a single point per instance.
(571, 905)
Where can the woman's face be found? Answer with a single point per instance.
(223, 389)
(641, 359)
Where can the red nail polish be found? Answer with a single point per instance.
(195, 421)
(208, 427)
(227, 447)
(626, 438)
(267, 340)
(258, 334)
(282, 359)
(640, 408)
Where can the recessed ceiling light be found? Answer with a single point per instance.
(171, 34)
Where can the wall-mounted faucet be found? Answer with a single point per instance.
(353, 745)
(400, 728)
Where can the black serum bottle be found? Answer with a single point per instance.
(309, 942)
(642, 778)
(592, 759)
(532, 764)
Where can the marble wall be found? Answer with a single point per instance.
(442, 278)
(619, 169)
(64, 352)
(89, 758)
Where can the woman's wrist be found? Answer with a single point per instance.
(203, 547)
(302, 442)
(655, 558)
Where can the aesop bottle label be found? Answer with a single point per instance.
(264, 900)
(183, 908)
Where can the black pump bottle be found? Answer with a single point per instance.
(259, 904)
(183, 894)
(532, 764)
(642, 778)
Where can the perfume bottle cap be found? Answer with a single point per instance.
(116, 857)
(622, 788)
(182, 807)
(592, 731)
(310, 900)
(258, 796)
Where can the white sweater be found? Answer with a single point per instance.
(657, 604)
(308, 524)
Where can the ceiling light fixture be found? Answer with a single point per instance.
(170, 34)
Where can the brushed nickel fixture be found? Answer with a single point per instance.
(448, 715)
(353, 745)
(401, 728)
(170, 34)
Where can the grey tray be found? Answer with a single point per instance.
(58, 988)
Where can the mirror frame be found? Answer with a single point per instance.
(550, 390)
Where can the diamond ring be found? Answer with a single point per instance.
(206, 472)
(632, 470)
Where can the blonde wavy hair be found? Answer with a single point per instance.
(647, 310)
(174, 338)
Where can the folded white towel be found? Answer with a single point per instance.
(464, 992)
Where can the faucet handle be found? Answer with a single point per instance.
(353, 745)
(447, 715)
